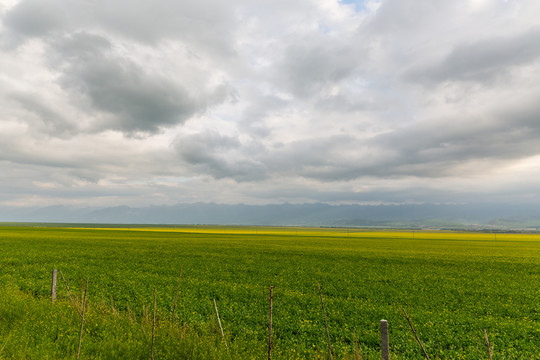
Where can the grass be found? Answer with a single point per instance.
(453, 286)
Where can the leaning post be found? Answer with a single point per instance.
(53, 286)
(385, 348)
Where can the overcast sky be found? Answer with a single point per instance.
(154, 102)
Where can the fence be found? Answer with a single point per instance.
(384, 326)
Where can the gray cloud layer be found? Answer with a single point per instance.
(153, 102)
(133, 99)
(485, 60)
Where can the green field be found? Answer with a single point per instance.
(453, 285)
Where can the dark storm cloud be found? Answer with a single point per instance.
(117, 92)
(133, 99)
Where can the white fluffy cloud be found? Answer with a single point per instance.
(158, 102)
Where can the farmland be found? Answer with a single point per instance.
(453, 285)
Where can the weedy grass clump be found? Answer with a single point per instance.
(32, 328)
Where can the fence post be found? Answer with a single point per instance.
(53, 286)
(385, 351)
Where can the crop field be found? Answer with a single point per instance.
(452, 285)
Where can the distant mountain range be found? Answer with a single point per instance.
(487, 216)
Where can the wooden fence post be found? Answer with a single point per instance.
(53, 286)
(487, 344)
(385, 347)
(414, 333)
(219, 322)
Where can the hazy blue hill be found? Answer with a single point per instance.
(318, 214)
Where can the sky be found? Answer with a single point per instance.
(158, 102)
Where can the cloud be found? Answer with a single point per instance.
(311, 65)
(115, 88)
(268, 101)
(252, 120)
(484, 60)
(42, 117)
(132, 99)
(464, 146)
(220, 156)
(36, 18)
(206, 25)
